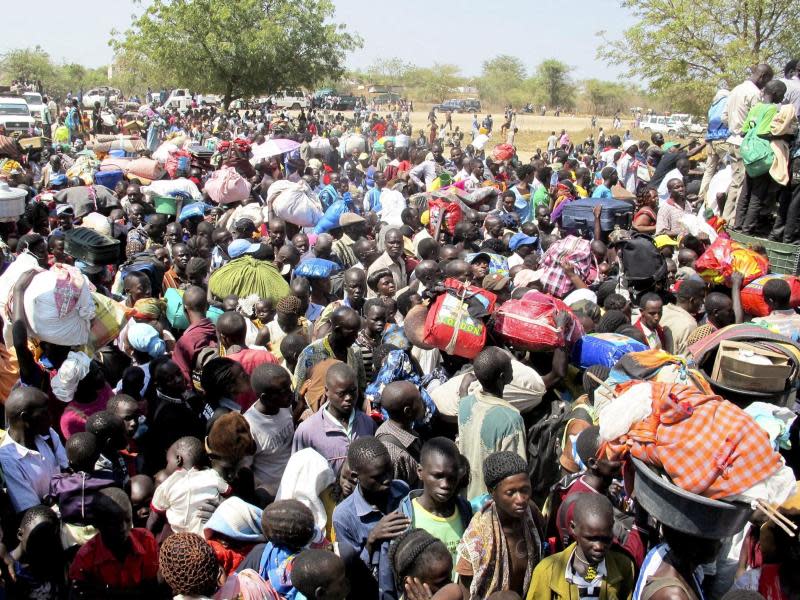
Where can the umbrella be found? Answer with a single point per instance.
(274, 147)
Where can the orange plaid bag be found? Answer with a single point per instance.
(705, 444)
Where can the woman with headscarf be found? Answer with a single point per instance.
(143, 343)
(309, 479)
(232, 531)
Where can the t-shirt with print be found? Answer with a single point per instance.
(273, 436)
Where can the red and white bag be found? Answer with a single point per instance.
(530, 323)
(226, 186)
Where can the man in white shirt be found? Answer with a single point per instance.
(791, 77)
(31, 452)
(681, 170)
(625, 169)
(741, 99)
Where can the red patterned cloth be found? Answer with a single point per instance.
(706, 445)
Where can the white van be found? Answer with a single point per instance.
(658, 124)
(293, 99)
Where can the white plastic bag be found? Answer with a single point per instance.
(24, 263)
(299, 205)
(71, 329)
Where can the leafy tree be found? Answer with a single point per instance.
(553, 81)
(604, 97)
(387, 71)
(688, 46)
(435, 83)
(31, 64)
(240, 48)
(500, 80)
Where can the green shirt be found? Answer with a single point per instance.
(448, 529)
(540, 198)
(761, 115)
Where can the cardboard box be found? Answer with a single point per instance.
(730, 370)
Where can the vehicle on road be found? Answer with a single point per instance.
(15, 116)
(35, 104)
(453, 105)
(103, 94)
(290, 99)
(658, 124)
(345, 103)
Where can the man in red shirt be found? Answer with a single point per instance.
(119, 558)
(200, 334)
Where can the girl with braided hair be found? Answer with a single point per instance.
(423, 566)
(189, 566)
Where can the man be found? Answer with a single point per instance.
(651, 306)
(486, 422)
(366, 252)
(588, 568)
(740, 101)
(338, 344)
(681, 171)
(782, 317)
(610, 179)
(721, 310)
(30, 452)
(200, 334)
(552, 142)
(387, 156)
(391, 259)
(716, 134)
(355, 293)
(669, 220)
(176, 276)
(673, 153)
(680, 318)
(338, 422)
(351, 227)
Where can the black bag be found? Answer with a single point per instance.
(147, 263)
(91, 247)
(544, 449)
(641, 260)
(615, 213)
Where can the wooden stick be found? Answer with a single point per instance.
(602, 383)
(778, 518)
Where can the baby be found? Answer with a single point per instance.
(190, 484)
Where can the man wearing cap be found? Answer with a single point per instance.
(238, 248)
(350, 228)
(391, 259)
(64, 214)
(521, 245)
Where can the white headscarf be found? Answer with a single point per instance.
(306, 476)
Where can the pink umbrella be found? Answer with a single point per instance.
(274, 147)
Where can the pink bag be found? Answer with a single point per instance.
(226, 186)
(145, 168)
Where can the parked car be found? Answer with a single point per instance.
(345, 103)
(453, 105)
(290, 99)
(387, 98)
(658, 124)
(103, 94)
(35, 104)
(472, 105)
(16, 116)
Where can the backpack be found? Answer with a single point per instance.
(757, 154)
(544, 449)
(717, 128)
(641, 260)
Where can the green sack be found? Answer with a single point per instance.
(757, 154)
(247, 275)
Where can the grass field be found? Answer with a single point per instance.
(533, 129)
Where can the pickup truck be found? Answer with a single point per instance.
(16, 116)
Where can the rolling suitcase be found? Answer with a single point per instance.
(578, 214)
(91, 247)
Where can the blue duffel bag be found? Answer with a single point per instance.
(316, 268)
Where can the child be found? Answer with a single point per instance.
(403, 403)
(232, 532)
(265, 312)
(189, 485)
(422, 563)
(111, 439)
(142, 489)
(288, 526)
(189, 566)
(370, 335)
(127, 408)
(368, 533)
(290, 348)
(320, 574)
(437, 508)
(75, 492)
(38, 559)
(119, 558)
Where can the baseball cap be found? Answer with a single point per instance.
(520, 239)
(239, 247)
(63, 209)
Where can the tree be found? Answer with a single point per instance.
(604, 97)
(501, 78)
(553, 79)
(240, 48)
(435, 83)
(387, 71)
(31, 64)
(691, 45)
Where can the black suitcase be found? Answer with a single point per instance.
(615, 213)
(198, 151)
(91, 247)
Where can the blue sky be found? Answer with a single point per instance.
(461, 32)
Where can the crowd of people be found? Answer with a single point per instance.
(260, 392)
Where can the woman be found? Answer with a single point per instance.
(503, 542)
(644, 221)
(309, 478)
(423, 567)
(523, 191)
